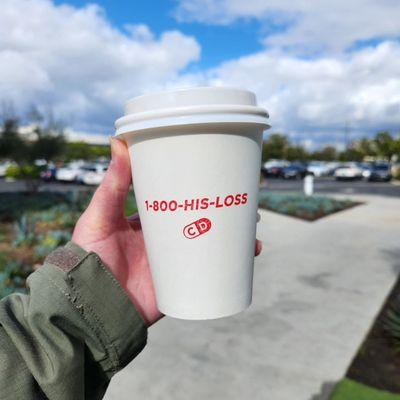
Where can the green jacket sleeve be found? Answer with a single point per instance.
(74, 330)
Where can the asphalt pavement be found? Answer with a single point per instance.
(330, 185)
(321, 185)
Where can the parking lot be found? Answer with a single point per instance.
(321, 185)
(330, 185)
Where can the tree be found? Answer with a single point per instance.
(85, 151)
(296, 153)
(351, 154)
(47, 142)
(47, 148)
(275, 147)
(367, 147)
(11, 145)
(396, 148)
(50, 141)
(385, 144)
(328, 153)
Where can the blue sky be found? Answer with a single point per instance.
(218, 43)
(316, 66)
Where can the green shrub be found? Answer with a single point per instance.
(308, 207)
(23, 171)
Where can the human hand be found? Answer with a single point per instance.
(118, 240)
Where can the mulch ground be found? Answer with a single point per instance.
(377, 363)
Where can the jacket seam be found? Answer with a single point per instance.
(119, 287)
(113, 357)
(80, 308)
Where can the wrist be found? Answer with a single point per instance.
(138, 291)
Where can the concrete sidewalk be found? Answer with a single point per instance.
(318, 287)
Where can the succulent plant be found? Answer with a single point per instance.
(301, 205)
(25, 230)
(51, 241)
(391, 322)
(13, 276)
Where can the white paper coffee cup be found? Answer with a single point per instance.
(196, 156)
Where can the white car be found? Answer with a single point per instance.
(273, 168)
(366, 170)
(331, 166)
(70, 172)
(92, 174)
(318, 169)
(275, 163)
(348, 171)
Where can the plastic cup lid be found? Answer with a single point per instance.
(200, 105)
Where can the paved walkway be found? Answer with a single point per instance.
(317, 289)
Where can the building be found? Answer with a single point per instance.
(28, 132)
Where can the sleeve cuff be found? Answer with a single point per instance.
(111, 317)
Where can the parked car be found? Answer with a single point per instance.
(317, 168)
(348, 171)
(380, 172)
(331, 167)
(366, 169)
(70, 172)
(92, 174)
(294, 171)
(273, 168)
(49, 174)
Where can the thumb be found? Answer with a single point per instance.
(109, 199)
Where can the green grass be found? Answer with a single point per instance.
(348, 389)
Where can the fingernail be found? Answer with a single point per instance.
(112, 146)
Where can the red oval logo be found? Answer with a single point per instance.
(197, 228)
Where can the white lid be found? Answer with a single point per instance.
(200, 105)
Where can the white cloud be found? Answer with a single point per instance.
(317, 98)
(310, 26)
(73, 60)
(338, 83)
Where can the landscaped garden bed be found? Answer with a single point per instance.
(375, 371)
(33, 225)
(309, 208)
